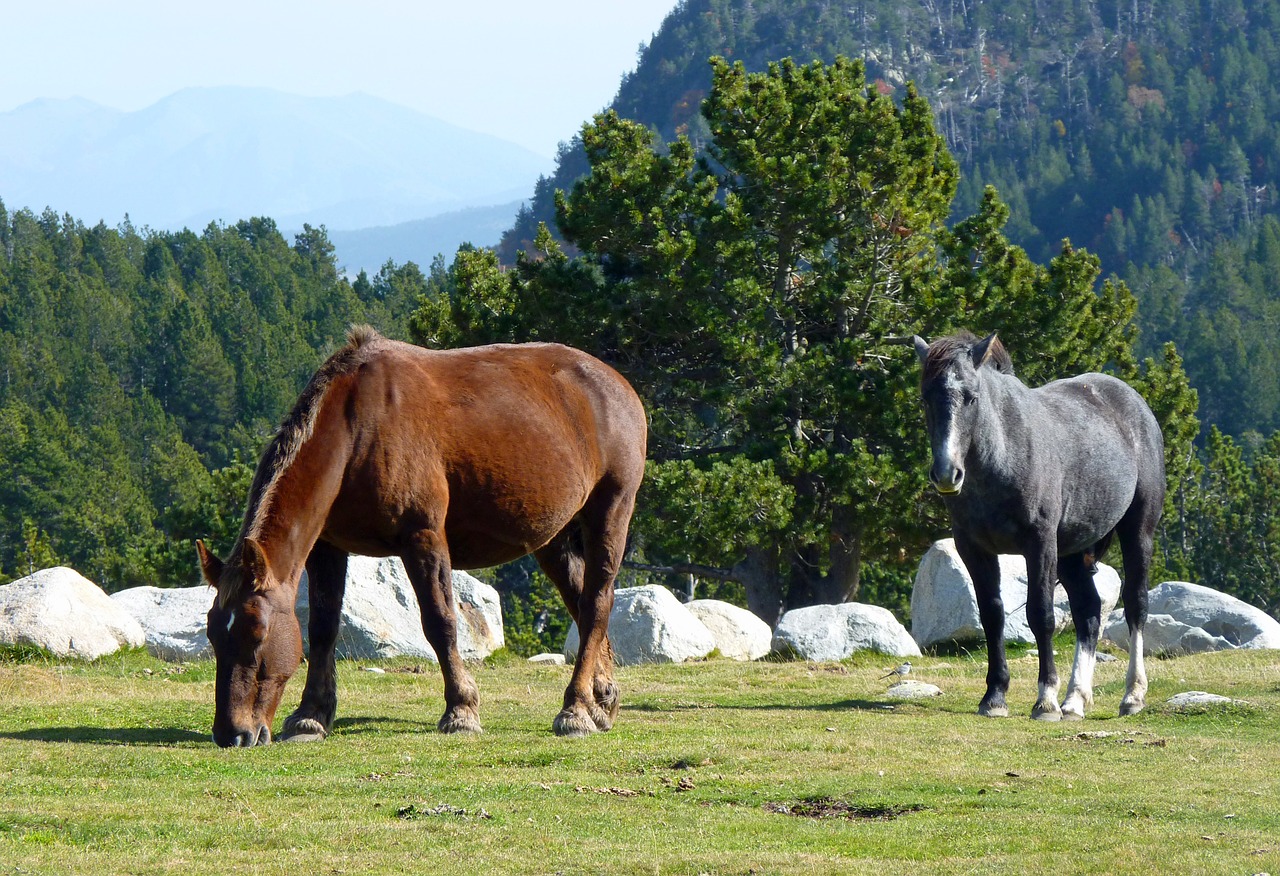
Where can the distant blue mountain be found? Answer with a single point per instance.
(421, 240)
(224, 154)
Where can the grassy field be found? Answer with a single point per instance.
(717, 768)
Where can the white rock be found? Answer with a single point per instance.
(834, 632)
(739, 634)
(1190, 618)
(66, 614)
(1197, 698)
(175, 620)
(944, 607)
(548, 659)
(381, 618)
(914, 690)
(649, 625)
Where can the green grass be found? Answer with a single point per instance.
(108, 768)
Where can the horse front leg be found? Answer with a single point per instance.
(1086, 614)
(984, 572)
(1042, 564)
(326, 584)
(430, 571)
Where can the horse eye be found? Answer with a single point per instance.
(969, 399)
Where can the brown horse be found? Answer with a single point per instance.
(448, 459)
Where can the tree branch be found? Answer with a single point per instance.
(698, 571)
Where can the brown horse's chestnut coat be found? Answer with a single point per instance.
(448, 459)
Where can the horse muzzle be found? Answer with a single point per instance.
(244, 738)
(949, 483)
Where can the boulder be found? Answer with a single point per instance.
(649, 625)
(548, 659)
(381, 618)
(944, 607)
(1187, 618)
(175, 620)
(738, 633)
(66, 614)
(834, 632)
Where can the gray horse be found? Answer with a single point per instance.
(1053, 474)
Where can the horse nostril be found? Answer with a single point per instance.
(264, 735)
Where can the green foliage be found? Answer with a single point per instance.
(748, 292)
(1148, 133)
(1225, 530)
(139, 371)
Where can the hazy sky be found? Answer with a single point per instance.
(529, 72)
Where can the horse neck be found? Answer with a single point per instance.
(997, 437)
(297, 504)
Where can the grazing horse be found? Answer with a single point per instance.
(448, 459)
(1053, 474)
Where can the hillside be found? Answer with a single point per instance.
(223, 154)
(1148, 133)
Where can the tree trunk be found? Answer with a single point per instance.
(845, 557)
(758, 573)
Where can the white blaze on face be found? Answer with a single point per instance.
(947, 452)
(231, 619)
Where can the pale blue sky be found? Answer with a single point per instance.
(525, 71)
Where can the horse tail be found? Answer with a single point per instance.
(1093, 555)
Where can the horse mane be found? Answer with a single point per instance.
(944, 351)
(292, 434)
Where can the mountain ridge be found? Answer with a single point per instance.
(225, 153)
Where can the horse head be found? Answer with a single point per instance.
(257, 643)
(951, 386)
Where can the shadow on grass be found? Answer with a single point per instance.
(109, 735)
(885, 705)
(172, 736)
(358, 724)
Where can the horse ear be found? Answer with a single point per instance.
(981, 352)
(922, 347)
(210, 565)
(254, 560)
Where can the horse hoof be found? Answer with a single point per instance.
(303, 730)
(572, 725)
(1072, 716)
(1045, 714)
(1000, 711)
(304, 737)
(1127, 709)
(602, 719)
(459, 722)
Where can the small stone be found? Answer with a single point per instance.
(1193, 698)
(914, 690)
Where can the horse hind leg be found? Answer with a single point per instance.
(1137, 536)
(591, 699)
(326, 583)
(1076, 574)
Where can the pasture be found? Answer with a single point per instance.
(716, 767)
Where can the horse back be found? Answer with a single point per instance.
(1098, 408)
(502, 445)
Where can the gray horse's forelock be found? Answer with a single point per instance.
(944, 351)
